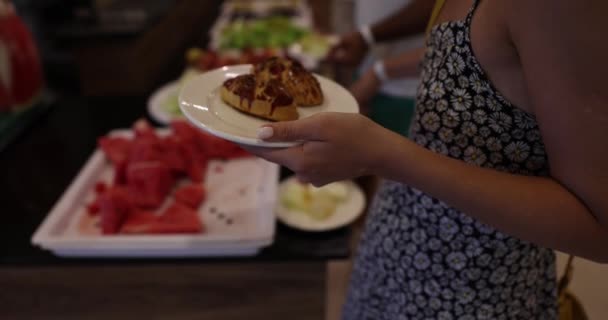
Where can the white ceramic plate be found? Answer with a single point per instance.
(157, 103)
(200, 102)
(345, 213)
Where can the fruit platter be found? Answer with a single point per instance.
(149, 192)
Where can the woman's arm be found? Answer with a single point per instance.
(408, 21)
(402, 65)
(539, 210)
(564, 56)
(565, 65)
(406, 64)
(412, 19)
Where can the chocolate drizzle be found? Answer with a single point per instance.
(275, 84)
(243, 86)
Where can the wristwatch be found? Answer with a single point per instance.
(368, 36)
(380, 71)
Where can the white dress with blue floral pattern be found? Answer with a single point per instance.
(421, 259)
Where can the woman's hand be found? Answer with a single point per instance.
(365, 88)
(336, 146)
(350, 49)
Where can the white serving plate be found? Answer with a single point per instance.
(201, 104)
(157, 103)
(244, 190)
(345, 213)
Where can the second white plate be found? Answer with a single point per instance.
(345, 213)
(202, 105)
(158, 103)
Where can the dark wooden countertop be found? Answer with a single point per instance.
(207, 291)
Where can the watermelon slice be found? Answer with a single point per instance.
(100, 187)
(143, 129)
(116, 149)
(179, 218)
(194, 162)
(206, 145)
(120, 173)
(114, 207)
(145, 170)
(173, 156)
(146, 149)
(220, 148)
(176, 218)
(190, 137)
(149, 183)
(139, 222)
(93, 207)
(191, 195)
(184, 130)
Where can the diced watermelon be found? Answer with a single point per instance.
(190, 137)
(114, 207)
(195, 171)
(205, 145)
(184, 130)
(223, 149)
(116, 149)
(195, 166)
(173, 156)
(146, 149)
(120, 173)
(194, 161)
(179, 218)
(100, 187)
(93, 207)
(233, 151)
(139, 222)
(191, 195)
(146, 168)
(149, 183)
(143, 129)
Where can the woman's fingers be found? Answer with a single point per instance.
(288, 157)
(307, 129)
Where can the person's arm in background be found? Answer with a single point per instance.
(410, 20)
(403, 65)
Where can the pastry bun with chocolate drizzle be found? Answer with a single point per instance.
(300, 83)
(273, 91)
(266, 99)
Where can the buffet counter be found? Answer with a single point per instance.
(286, 279)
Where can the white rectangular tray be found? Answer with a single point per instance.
(242, 190)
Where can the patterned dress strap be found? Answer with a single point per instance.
(472, 11)
(434, 14)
